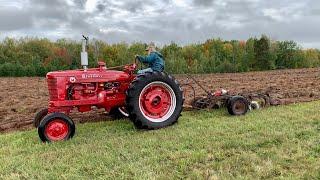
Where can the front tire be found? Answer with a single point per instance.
(56, 127)
(154, 100)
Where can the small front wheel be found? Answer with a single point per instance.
(56, 127)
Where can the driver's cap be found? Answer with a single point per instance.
(151, 45)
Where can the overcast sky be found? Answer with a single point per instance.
(163, 21)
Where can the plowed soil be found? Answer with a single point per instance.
(21, 98)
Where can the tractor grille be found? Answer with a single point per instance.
(53, 90)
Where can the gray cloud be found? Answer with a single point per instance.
(182, 21)
(134, 6)
(202, 2)
(18, 20)
(79, 3)
(101, 7)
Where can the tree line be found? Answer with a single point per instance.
(37, 56)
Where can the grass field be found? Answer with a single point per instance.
(275, 142)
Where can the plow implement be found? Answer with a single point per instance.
(236, 104)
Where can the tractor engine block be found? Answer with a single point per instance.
(84, 89)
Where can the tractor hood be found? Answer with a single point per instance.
(90, 75)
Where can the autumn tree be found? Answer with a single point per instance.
(36, 56)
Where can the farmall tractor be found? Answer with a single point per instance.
(151, 100)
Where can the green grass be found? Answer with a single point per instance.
(278, 142)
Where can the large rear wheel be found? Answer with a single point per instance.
(154, 101)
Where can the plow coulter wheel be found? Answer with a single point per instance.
(56, 127)
(154, 101)
(238, 105)
(255, 105)
(199, 103)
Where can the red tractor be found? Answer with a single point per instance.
(151, 100)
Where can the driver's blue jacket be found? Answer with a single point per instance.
(154, 60)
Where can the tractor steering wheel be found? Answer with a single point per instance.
(136, 61)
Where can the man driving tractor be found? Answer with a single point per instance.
(154, 60)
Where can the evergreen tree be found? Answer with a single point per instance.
(263, 56)
(286, 52)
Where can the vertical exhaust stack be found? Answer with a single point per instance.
(84, 54)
